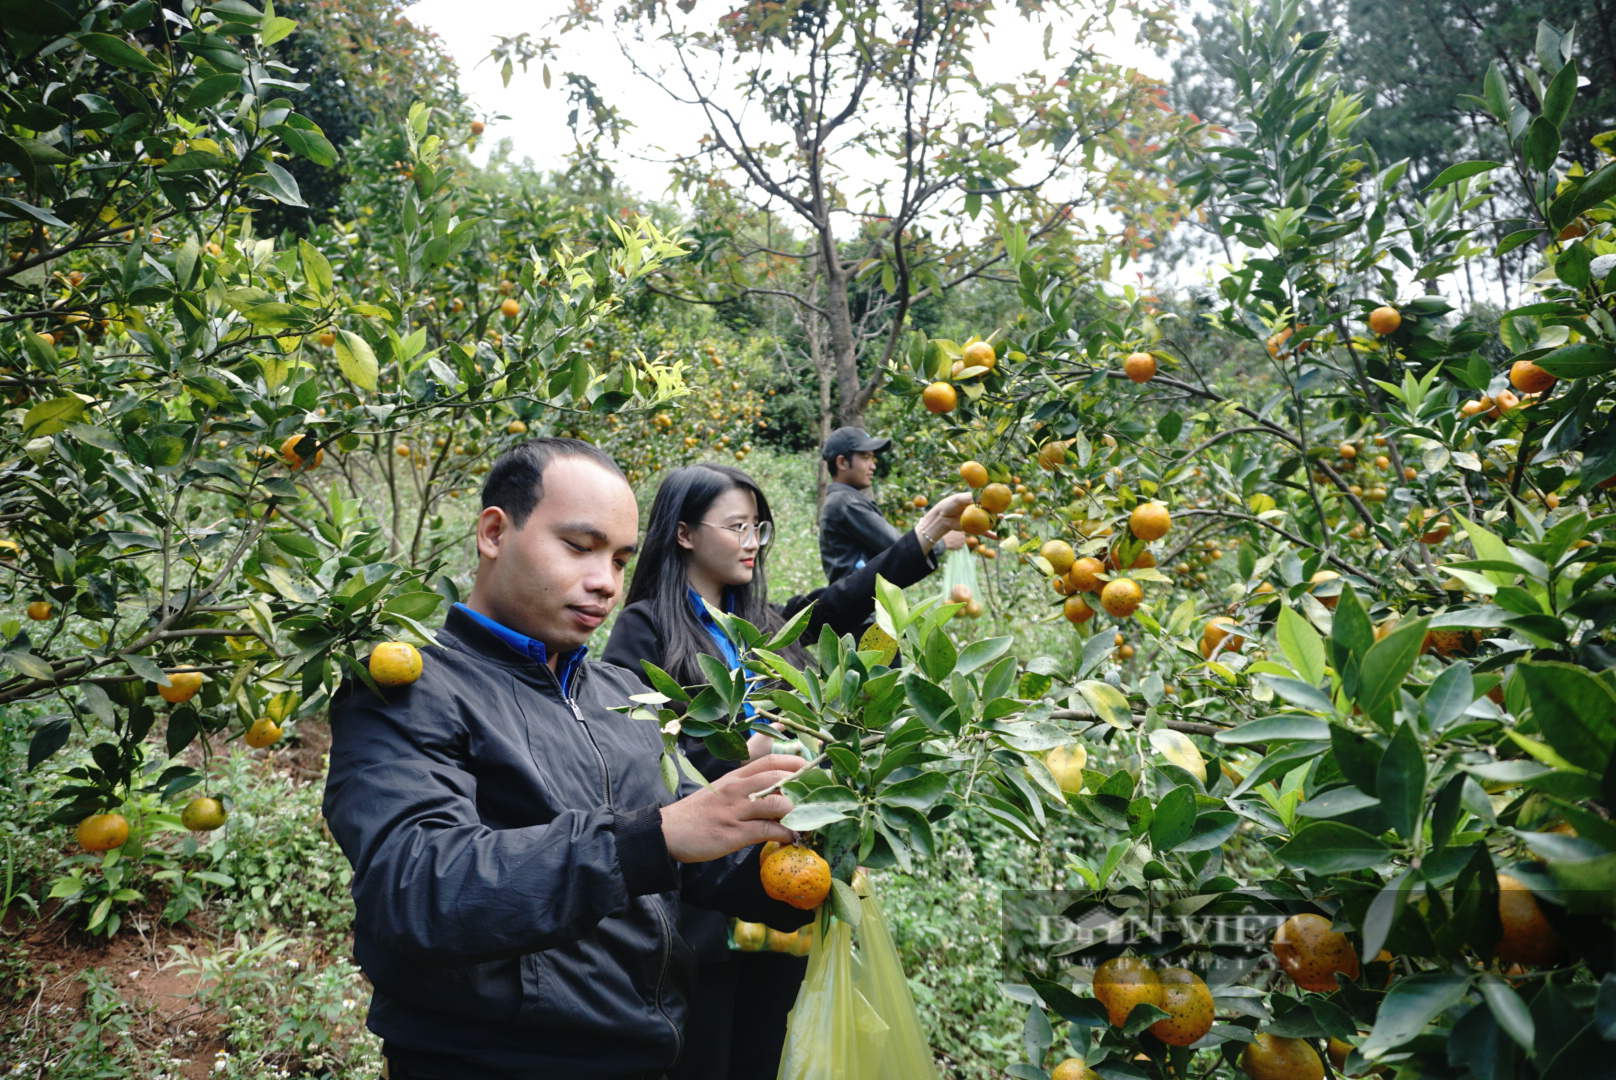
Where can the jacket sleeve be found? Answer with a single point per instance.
(634, 638)
(430, 879)
(846, 604)
(859, 518)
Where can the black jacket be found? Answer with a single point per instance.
(852, 530)
(844, 605)
(515, 901)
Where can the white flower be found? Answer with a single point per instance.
(293, 964)
(671, 727)
(348, 1003)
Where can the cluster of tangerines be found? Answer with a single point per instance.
(393, 663)
(977, 358)
(1311, 954)
(1530, 379)
(756, 937)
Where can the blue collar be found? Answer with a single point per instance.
(532, 648)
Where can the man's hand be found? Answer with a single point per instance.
(943, 520)
(718, 820)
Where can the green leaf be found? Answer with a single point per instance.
(809, 818)
(1509, 1011)
(1410, 1005)
(893, 602)
(1174, 819)
(357, 361)
(1276, 729)
(49, 417)
(1541, 144)
(932, 703)
(1107, 702)
(1455, 173)
(1400, 782)
(1329, 847)
(1495, 91)
(844, 902)
(1561, 91)
(1578, 361)
(316, 268)
(978, 653)
(917, 792)
(1450, 695)
(117, 52)
(663, 682)
(1386, 665)
(1516, 239)
(274, 29)
(1575, 710)
(1302, 645)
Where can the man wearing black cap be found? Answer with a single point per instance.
(851, 529)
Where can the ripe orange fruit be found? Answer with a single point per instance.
(1471, 408)
(39, 610)
(328, 339)
(1052, 455)
(959, 594)
(920, 502)
(1319, 579)
(516, 427)
(1059, 555)
(802, 942)
(103, 832)
(781, 941)
(1504, 401)
(1073, 1069)
(1347, 450)
(974, 473)
(1385, 320)
(1124, 982)
(1077, 610)
(1150, 521)
(1188, 1002)
(1217, 629)
(1272, 1057)
(293, 459)
(395, 663)
(979, 354)
(203, 815)
(477, 127)
(1278, 341)
(750, 936)
(995, 498)
(939, 398)
(796, 875)
(1121, 597)
(1140, 367)
(1528, 938)
(974, 521)
(510, 308)
(1337, 1051)
(183, 686)
(1528, 378)
(1433, 531)
(264, 732)
(1311, 953)
(1082, 577)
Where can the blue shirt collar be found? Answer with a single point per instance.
(532, 648)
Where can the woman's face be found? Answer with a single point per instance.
(716, 551)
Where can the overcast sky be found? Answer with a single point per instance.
(537, 117)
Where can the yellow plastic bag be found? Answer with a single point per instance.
(832, 1033)
(906, 1054)
(855, 1018)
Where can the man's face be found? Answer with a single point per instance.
(557, 577)
(859, 472)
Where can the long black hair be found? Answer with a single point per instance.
(661, 578)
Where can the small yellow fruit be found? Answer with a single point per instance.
(516, 427)
(1073, 1069)
(1084, 574)
(995, 498)
(1059, 555)
(1217, 629)
(1077, 610)
(1311, 953)
(395, 663)
(979, 354)
(1140, 367)
(39, 610)
(974, 473)
(1385, 320)
(183, 686)
(203, 815)
(1319, 579)
(103, 832)
(1188, 1002)
(510, 308)
(1124, 982)
(264, 732)
(1150, 521)
(750, 936)
(293, 459)
(1066, 764)
(939, 397)
(975, 521)
(1272, 1057)
(1121, 598)
(1528, 378)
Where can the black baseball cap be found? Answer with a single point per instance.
(847, 441)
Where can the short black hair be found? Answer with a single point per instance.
(515, 483)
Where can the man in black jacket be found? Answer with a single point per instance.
(851, 529)
(518, 861)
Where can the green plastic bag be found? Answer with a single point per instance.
(854, 1018)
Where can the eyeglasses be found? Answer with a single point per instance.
(763, 531)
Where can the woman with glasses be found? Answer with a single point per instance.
(706, 539)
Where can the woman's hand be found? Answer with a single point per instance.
(759, 744)
(943, 520)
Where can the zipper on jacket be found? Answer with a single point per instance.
(605, 771)
(662, 977)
